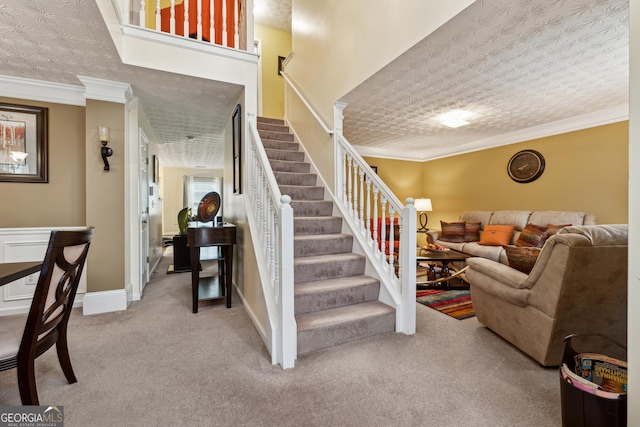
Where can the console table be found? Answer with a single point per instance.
(218, 287)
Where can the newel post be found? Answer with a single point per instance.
(288, 329)
(408, 260)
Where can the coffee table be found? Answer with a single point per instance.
(449, 277)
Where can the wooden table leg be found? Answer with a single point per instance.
(228, 272)
(195, 276)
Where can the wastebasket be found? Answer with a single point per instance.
(580, 406)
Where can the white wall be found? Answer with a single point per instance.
(338, 44)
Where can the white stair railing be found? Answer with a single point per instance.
(386, 227)
(273, 220)
(196, 18)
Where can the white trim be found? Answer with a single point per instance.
(106, 90)
(252, 315)
(38, 90)
(104, 302)
(586, 121)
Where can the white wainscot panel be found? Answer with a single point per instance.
(23, 245)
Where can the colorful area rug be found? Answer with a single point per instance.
(453, 303)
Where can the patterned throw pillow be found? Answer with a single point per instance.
(522, 258)
(496, 235)
(472, 232)
(452, 231)
(554, 228)
(532, 236)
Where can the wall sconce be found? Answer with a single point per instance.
(104, 134)
(423, 206)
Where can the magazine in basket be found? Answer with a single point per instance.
(607, 373)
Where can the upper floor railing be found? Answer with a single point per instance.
(222, 22)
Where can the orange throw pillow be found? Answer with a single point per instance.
(496, 235)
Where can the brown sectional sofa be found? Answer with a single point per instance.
(578, 285)
(519, 218)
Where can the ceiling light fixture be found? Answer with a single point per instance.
(455, 118)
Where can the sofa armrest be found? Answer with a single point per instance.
(433, 235)
(499, 280)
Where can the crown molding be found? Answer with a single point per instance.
(39, 90)
(106, 90)
(586, 121)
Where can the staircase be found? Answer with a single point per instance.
(335, 302)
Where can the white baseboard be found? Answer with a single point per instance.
(104, 302)
(254, 319)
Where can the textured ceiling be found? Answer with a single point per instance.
(273, 13)
(59, 40)
(514, 64)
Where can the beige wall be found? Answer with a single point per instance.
(61, 201)
(105, 198)
(338, 44)
(172, 197)
(585, 171)
(274, 43)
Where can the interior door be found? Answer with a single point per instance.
(144, 210)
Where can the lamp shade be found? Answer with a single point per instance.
(423, 205)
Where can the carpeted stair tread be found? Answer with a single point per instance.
(326, 294)
(324, 267)
(317, 225)
(277, 136)
(280, 145)
(312, 207)
(288, 155)
(303, 192)
(322, 244)
(272, 127)
(292, 178)
(340, 325)
(270, 120)
(287, 166)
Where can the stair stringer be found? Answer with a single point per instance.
(389, 285)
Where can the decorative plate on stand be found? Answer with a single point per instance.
(208, 207)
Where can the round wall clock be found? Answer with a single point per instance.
(525, 166)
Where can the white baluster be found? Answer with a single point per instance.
(172, 18)
(185, 28)
(392, 246)
(349, 184)
(143, 14)
(354, 209)
(375, 217)
(343, 178)
(368, 224)
(212, 23)
(224, 22)
(361, 214)
(383, 229)
(236, 33)
(158, 16)
(199, 20)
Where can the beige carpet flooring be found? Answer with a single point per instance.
(158, 364)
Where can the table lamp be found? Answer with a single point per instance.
(423, 206)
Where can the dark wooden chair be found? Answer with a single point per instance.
(46, 323)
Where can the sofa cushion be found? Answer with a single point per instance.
(489, 252)
(452, 231)
(557, 217)
(518, 218)
(522, 258)
(472, 231)
(483, 217)
(496, 235)
(532, 235)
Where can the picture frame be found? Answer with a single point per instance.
(236, 135)
(280, 64)
(156, 169)
(24, 143)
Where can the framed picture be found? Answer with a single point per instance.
(23, 143)
(156, 169)
(236, 135)
(375, 169)
(280, 62)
